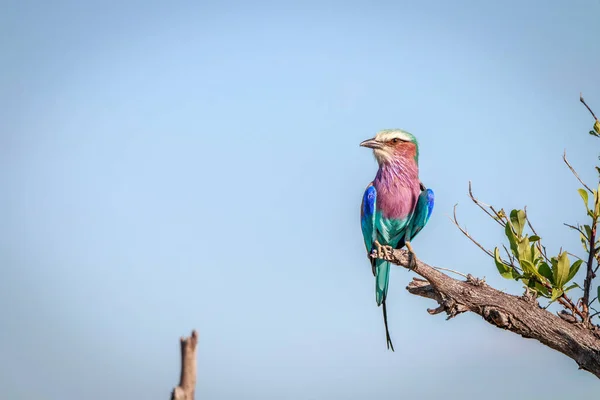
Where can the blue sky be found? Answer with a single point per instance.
(169, 166)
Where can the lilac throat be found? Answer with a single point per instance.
(398, 189)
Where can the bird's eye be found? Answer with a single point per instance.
(395, 140)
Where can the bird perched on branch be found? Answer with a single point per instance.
(395, 206)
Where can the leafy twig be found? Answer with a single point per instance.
(541, 248)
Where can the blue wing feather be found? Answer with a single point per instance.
(367, 216)
(420, 217)
(423, 211)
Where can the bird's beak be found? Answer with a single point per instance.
(372, 144)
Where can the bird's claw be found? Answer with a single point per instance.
(412, 263)
(383, 252)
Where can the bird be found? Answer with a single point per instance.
(395, 207)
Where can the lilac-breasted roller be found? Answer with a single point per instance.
(395, 206)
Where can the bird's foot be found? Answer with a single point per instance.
(383, 252)
(412, 257)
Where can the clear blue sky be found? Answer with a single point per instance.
(175, 165)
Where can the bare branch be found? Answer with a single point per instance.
(518, 314)
(574, 255)
(541, 248)
(578, 229)
(464, 231)
(586, 106)
(451, 270)
(568, 304)
(187, 379)
(510, 256)
(496, 217)
(575, 173)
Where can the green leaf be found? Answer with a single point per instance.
(524, 249)
(561, 270)
(598, 294)
(530, 283)
(588, 231)
(505, 270)
(571, 287)
(542, 289)
(584, 242)
(517, 218)
(556, 293)
(590, 214)
(530, 269)
(584, 195)
(535, 253)
(512, 240)
(534, 238)
(546, 272)
(574, 269)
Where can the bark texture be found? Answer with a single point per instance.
(519, 314)
(187, 379)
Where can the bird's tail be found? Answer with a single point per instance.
(387, 331)
(382, 280)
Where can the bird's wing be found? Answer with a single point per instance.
(370, 222)
(367, 216)
(422, 213)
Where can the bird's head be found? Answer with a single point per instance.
(393, 145)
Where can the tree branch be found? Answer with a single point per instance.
(187, 379)
(541, 248)
(586, 106)
(575, 172)
(587, 283)
(464, 231)
(519, 314)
